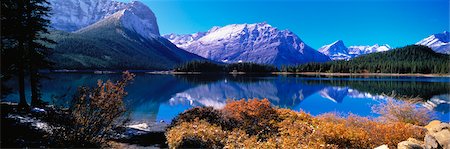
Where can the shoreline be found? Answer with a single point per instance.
(363, 74)
(168, 72)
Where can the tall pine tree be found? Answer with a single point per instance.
(23, 24)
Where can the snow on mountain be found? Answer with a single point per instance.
(139, 18)
(360, 50)
(129, 36)
(338, 51)
(71, 15)
(259, 43)
(438, 42)
(182, 41)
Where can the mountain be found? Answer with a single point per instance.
(338, 51)
(127, 39)
(408, 59)
(280, 92)
(438, 42)
(259, 43)
(72, 15)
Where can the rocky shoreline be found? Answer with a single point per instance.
(437, 137)
(33, 129)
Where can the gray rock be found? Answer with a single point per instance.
(439, 127)
(409, 145)
(443, 138)
(384, 146)
(430, 142)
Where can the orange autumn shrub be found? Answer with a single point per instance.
(403, 111)
(298, 130)
(207, 114)
(259, 125)
(195, 134)
(361, 132)
(239, 139)
(256, 117)
(95, 113)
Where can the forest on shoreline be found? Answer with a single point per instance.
(412, 59)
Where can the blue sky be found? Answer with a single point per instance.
(317, 22)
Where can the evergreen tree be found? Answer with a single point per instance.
(23, 24)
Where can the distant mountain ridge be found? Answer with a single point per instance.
(126, 39)
(259, 43)
(338, 51)
(408, 59)
(438, 42)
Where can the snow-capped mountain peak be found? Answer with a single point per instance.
(338, 51)
(438, 42)
(258, 42)
(139, 18)
(72, 15)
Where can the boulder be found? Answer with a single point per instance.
(430, 142)
(411, 143)
(443, 138)
(438, 135)
(432, 124)
(436, 126)
(384, 146)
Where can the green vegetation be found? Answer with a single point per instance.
(108, 45)
(256, 124)
(408, 59)
(205, 66)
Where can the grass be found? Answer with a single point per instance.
(255, 123)
(405, 111)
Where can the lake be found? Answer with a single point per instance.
(161, 97)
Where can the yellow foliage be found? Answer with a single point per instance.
(284, 128)
(198, 132)
(403, 111)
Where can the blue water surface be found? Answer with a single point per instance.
(162, 97)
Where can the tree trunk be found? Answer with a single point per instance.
(35, 101)
(21, 77)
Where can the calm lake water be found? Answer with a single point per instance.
(162, 97)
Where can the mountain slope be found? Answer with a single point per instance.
(71, 15)
(127, 39)
(259, 43)
(438, 42)
(338, 51)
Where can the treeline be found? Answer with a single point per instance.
(205, 66)
(408, 59)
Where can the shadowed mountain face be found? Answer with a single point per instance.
(125, 38)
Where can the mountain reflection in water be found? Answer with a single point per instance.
(162, 97)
